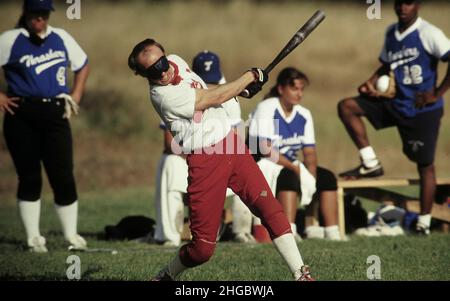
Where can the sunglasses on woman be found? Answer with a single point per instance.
(156, 70)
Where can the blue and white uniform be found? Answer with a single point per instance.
(413, 55)
(37, 133)
(39, 70)
(288, 134)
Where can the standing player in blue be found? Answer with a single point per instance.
(37, 106)
(412, 49)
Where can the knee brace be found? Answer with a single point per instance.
(196, 252)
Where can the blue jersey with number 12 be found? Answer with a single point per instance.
(413, 55)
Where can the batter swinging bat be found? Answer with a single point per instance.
(296, 40)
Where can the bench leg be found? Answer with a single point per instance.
(341, 212)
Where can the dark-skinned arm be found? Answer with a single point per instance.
(424, 98)
(310, 159)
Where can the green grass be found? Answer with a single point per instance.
(402, 258)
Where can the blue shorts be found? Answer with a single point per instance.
(419, 134)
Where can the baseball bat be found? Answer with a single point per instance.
(296, 40)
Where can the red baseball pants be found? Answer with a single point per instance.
(209, 177)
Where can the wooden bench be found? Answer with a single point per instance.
(370, 189)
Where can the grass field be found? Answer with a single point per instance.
(117, 142)
(402, 258)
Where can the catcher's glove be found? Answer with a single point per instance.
(389, 91)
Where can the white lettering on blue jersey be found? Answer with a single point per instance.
(413, 56)
(39, 71)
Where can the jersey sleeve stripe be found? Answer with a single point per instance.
(82, 66)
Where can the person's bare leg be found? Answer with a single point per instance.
(288, 200)
(328, 207)
(329, 211)
(427, 176)
(351, 114)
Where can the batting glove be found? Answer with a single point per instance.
(70, 106)
(261, 77)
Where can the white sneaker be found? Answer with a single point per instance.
(169, 244)
(77, 242)
(380, 230)
(245, 238)
(37, 244)
(332, 233)
(315, 232)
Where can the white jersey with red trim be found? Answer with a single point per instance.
(175, 104)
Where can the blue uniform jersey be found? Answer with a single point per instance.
(288, 134)
(413, 55)
(39, 71)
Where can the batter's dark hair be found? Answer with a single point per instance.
(133, 58)
(286, 77)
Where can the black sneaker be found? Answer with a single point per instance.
(363, 172)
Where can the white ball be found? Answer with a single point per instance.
(382, 84)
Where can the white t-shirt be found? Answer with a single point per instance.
(288, 134)
(175, 104)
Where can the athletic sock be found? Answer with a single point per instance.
(30, 213)
(424, 220)
(175, 267)
(68, 217)
(287, 247)
(294, 229)
(368, 157)
(332, 232)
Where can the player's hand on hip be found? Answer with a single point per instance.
(425, 98)
(8, 103)
(261, 77)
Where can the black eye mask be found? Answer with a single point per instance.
(155, 71)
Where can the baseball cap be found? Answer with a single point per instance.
(33, 5)
(207, 65)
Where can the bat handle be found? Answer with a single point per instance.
(244, 93)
